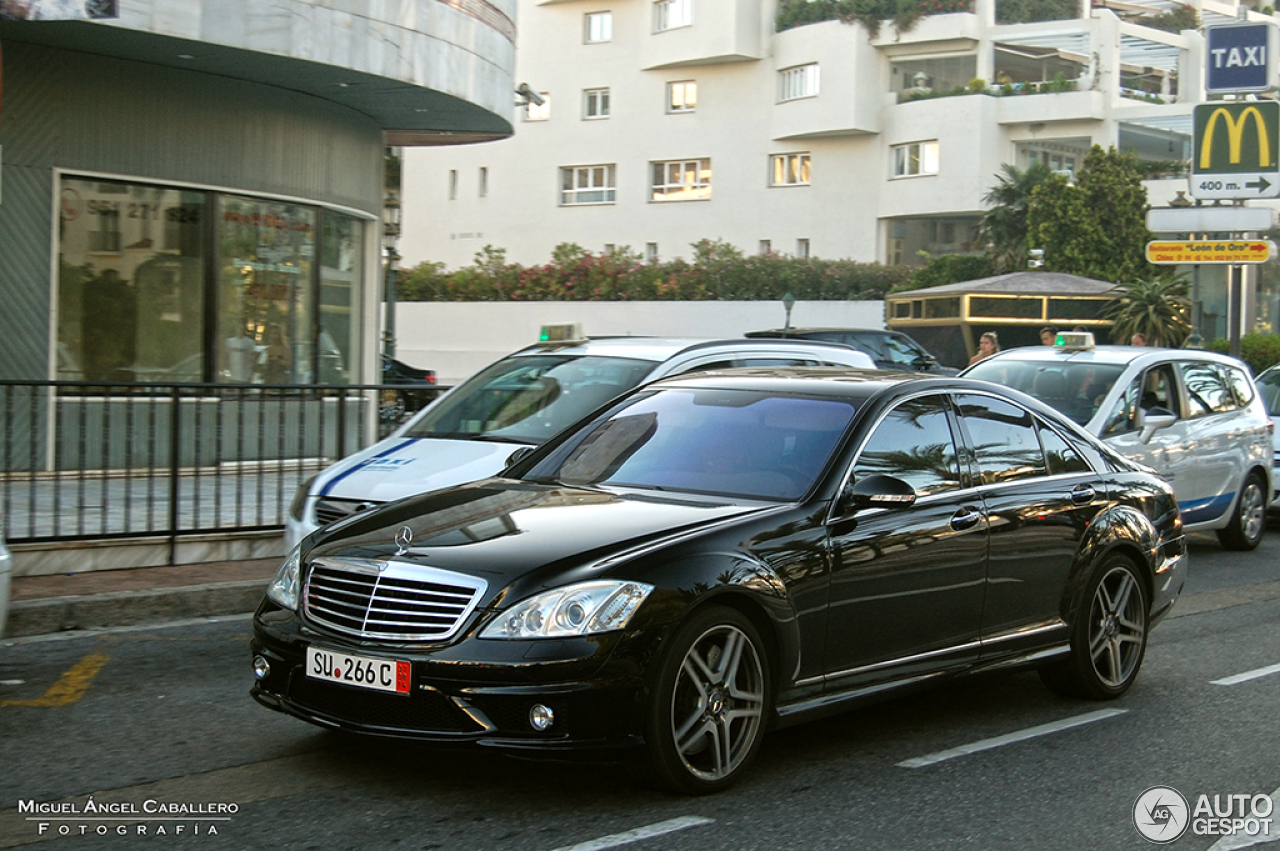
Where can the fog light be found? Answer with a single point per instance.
(541, 717)
(261, 667)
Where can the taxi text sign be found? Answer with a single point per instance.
(1237, 150)
(1239, 57)
(1209, 251)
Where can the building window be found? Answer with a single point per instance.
(651, 252)
(484, 182)
(682, 96)
(790, 170)
(595, 103)
(681, 180)
(286, 287)
(802, 248)
(588, 184)
(669, 14)
(538, 111)
(798, 82)
(766, 246)
(453, 184)
(597, 27)
(915, 159)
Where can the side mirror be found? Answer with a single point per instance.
(879, 491)
(1154, 419)
(517, 456)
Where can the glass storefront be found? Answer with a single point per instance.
(148, 290)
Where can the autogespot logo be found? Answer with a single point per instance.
(1160, 814)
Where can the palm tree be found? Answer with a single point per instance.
(1004, 226)
(1156, 307)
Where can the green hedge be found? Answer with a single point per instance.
(1258, 350)
(718, 271)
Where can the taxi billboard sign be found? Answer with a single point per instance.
(1209, 251)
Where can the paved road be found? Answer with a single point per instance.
(162, 715)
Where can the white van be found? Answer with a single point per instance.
(471, 431)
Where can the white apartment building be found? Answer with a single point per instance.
(669, 121)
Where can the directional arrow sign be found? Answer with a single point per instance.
(1237, 150)
(1210, 251)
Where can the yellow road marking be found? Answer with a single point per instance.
(71, 686)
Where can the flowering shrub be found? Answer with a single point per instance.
(869, 13)
(718, 271)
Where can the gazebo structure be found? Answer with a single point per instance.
(949, 319)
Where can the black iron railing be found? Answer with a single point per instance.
(94, 461)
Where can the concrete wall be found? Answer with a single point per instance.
(457, 339)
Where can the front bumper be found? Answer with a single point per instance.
(473, 692)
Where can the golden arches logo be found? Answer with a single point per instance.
(1235, 135)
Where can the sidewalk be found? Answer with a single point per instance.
(141, 595)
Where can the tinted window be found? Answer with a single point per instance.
(1059, 454)
(1206, 391)
(1269, 387)
(528, 399)
(1004, 439)
(915, 444)
(739, 443)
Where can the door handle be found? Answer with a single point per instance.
(965, 518)
(1083, 494)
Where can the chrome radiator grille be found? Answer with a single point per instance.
(389, 600)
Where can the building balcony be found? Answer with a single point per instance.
(952, 31)
(728, 31)
(1050, 107)
(847, 65)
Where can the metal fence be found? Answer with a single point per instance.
(95, 461)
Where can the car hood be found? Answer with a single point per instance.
(503, 530)
(404, 466)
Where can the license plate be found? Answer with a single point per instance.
(359, 671)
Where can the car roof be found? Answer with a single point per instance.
(1110, 355)
(833, 381)
(659, 349)
(796, 332)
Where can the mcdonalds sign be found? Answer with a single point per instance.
(1237, 150)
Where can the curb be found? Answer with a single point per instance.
(131, 608)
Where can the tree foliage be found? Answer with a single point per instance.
(1004, 226)
(717, 270)
(1157, 308)
(1095, 227)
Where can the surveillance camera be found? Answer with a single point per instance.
(529, 95)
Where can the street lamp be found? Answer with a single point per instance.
(390, 233)
(788, 301)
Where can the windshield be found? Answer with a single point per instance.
(1269, 389)
(725, 442)
(528, 399)
(1075, 389)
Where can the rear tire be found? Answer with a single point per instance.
(706, 714)
(1109, 638)
(1249, 520)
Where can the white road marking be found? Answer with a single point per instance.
(1010, 738)
(1244, 840)
(639, 834)
(1248, 675)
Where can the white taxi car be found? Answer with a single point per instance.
(1269, 386)
(471, 431)
(1196, 417)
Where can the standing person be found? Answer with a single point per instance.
(988, 345)
(1048, 335)
(1138, 339)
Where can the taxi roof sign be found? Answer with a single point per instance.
(562, 332)
(1074, 341)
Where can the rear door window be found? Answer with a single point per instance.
(1004, 439)
(1207, 393)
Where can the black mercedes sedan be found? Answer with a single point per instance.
(713, 556)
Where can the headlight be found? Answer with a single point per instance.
(283, 590)
(583, 609)
(299, 503)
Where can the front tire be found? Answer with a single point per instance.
(706, 714)
(1109, 639)
(1249, 520)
